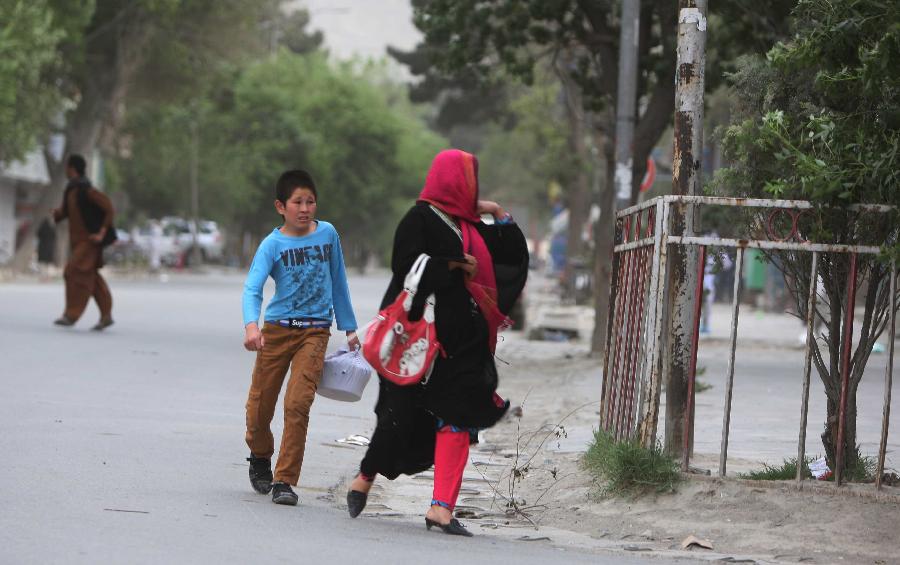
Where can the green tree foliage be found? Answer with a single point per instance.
(821, 115)
(819, 120)
(29, 37)
(521, 160)
(465, 103)
(368, 156)
(114, 53)
(476, 38)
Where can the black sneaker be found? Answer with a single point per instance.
(282, 493)
(260, 474)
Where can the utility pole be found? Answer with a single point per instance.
(626, 98)
(617, 196)
(686, 180)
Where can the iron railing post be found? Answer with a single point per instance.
(807, 365)
(729, 383)
(692, 367)
(888, 375)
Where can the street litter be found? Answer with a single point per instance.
(362, 441)
(529, 538)
(819, 469)
(692, 541)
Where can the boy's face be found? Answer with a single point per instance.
(299, 211)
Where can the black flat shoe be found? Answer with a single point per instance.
(356, 502)
(454, 528)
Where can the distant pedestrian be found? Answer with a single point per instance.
(304, 258)
(46, 236)
(46, 248)
(476, 272)
(155, 245)
(716, 262)
(90, 215)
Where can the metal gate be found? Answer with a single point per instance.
(635, 367)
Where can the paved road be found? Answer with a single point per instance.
(127, 446)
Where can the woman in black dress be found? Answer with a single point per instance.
(476, 272)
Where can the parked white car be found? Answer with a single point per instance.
(210, 239)
(171, 239)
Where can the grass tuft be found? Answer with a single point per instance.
(787, 471)
(862, 470)
(626, 468)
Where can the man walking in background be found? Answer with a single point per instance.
(90, 215)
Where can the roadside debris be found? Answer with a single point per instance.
(693, 541)
(362, 441)
(819, 469)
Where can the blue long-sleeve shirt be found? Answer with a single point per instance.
(309, 274)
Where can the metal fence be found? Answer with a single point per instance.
(635, 366)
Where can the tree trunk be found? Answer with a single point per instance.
(604, 233)
(579, 193)
(830, 435)
(103, 90)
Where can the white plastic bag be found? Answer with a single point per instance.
(344, 376)
(819, 469)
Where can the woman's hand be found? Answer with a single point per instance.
(490, 207)
(253, 338)
(469, 267)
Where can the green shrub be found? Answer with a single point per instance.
(628, 468)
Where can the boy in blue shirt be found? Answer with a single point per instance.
(304, 258)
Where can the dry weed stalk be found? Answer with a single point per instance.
(522, 464)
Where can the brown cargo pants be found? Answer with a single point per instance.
(304, 351)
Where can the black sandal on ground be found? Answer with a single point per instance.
(454, 528)
(356, 502)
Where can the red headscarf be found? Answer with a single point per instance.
(452, 186)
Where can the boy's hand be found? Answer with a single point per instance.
(253, 338)
(352, 341)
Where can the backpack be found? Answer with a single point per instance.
(93, 215)
(401, 350)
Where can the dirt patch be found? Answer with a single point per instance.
(772, 522)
